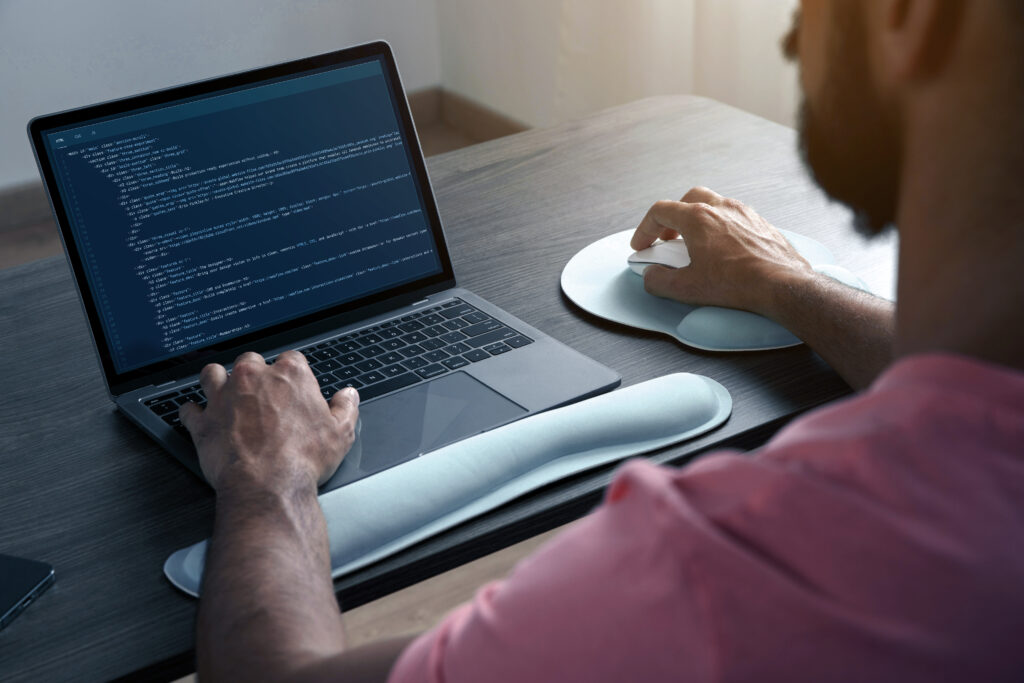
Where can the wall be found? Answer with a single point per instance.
(58, 54)
(547, 61)
(536, 61)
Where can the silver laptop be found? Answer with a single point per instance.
(287, 208)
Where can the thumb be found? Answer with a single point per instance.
(669, 283)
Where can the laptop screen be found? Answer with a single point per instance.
(204, 219)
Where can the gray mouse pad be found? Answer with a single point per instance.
(421, 419)
(598, 280)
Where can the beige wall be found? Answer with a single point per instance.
(546, 61)
(536, 61)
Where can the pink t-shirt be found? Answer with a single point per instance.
(878, 539)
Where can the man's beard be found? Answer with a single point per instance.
(849, 139)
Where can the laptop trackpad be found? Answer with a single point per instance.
(421, 419)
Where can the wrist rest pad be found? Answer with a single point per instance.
(380, 515)
(598, 280)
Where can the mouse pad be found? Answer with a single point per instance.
(599, 280)
(378, 516)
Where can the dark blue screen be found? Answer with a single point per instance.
(214, 218)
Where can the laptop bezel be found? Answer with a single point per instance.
(279, 334)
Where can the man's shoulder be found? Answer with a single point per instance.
(924, 412)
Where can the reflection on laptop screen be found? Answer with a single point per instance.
(218, 216)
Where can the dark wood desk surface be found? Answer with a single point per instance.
(83, 489)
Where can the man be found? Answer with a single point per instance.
(876, 539)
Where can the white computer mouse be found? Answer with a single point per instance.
(672, 254)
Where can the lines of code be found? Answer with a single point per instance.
(218, 225)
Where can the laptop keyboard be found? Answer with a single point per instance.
(386, 357)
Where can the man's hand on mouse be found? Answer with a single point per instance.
(738, 259)
(267, 425)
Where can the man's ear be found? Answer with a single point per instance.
(917, 36)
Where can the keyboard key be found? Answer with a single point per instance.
(435, 331)
(452, 337)
(414, 337)
(353, 382)
(449, 304)
(172, 419)
(372, 351)
(326, 379)
(456, 324)
(392, 370)
(371, 377)
(326, 366)
(182, 400)
(392, 344)
(431, 371)
(436, 356)
(390, 333)
(160, 399)
(455, 362)
(328, 391)
(518, 340)
(325, 354)
(347, 346)
(432, 344)
(457, 311)
(369, 364)
(432, 319)
(415, 363)
(496, 349)
(347, 372)
(492, 337)
(488, 325)
(411, 325)
(456, 349)
(368, 339)
(412, 351)
(476, 355)
(164, 407)
(475, 317)
(350, 358)
(387, 386)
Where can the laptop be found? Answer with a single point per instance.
(287, 207)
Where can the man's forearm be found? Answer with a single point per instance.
(268, 607)
(852, 330)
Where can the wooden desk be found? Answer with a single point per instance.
(83, 489)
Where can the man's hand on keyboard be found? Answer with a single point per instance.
(268, 425)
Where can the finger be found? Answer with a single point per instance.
(669, 283)
(247, 367)
(189, 413)
(294, 363)
(656, 224)
(702, 195)
(250, 357)
(344, 405)
(212, 379)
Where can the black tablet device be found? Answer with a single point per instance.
(21, 582)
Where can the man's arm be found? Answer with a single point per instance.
(268, 610)
(738, 260)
